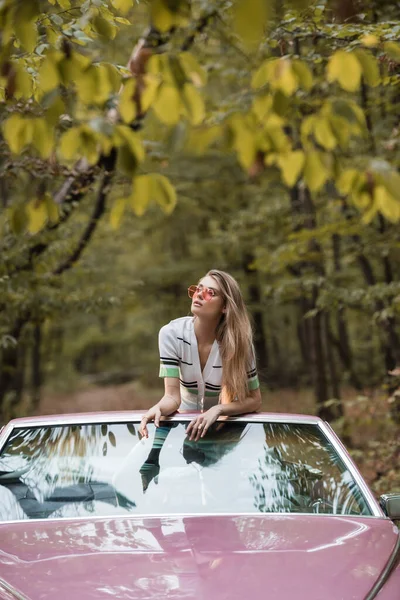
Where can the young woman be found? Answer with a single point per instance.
(207, 361)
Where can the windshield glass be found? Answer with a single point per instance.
(238, 467)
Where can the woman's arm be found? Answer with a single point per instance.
(250, 404)
(168, 404)
(198, 427)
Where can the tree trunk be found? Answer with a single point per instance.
(36, 366)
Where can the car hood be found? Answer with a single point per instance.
(195, 557)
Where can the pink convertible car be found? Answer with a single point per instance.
(265, 506)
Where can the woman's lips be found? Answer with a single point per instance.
(197, 303)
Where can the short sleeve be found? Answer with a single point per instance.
(169, 360)
(252, 375)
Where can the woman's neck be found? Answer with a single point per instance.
(205, 330)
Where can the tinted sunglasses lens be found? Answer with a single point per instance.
(192, 290)
(207, 294)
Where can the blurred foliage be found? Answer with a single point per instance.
(146, 142)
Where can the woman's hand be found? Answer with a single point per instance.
(154, 413)
(199, 426)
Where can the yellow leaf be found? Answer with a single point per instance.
(26, 32)
(18, 219)
(70, 143)
(163, 192)
(386, 204)
(370, 69)
(323, 133)
(114, 77)
(42, 138)
(54, 111)
(65, 4)
(393, 50)
(117, 212)
(127, 105)
(345, 181)
(264, 74)
(262, 106)
(37, 216)
(23, 82)
(48, 75)
(149, 92)
(141, 194)
(344, 68)
(86, 85)
(193, 103)
(303, 73)
(52, 209)
(285, 78)
(167, 104)
(249, 21)
(18, 132)
(89, 144)
(315, 171)
(161, 18)
(370, 40)
(291, 165)
(124, 134)
(123, 6)
(104, 27)
(193, 69)
(103, 84)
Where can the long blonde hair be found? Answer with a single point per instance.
(235, 337)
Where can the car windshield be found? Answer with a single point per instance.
(238, 467)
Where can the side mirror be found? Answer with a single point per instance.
(390, 504)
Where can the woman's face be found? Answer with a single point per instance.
(211, 307)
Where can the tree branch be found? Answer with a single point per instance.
(97, 213)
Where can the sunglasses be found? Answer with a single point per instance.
(207, 293)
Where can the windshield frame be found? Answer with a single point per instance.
(135, 417)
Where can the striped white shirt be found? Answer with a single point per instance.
(179, 357)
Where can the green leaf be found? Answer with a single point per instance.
(127, 161)
(127, 105)
(345, 68)
(291, 165)
(193, 103)
(163, 192)
(141, 194)
(117, 212)
(167, 104)
(370, 69)
(315, 172)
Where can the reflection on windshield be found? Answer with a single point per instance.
(107, 469)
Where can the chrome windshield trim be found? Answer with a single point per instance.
(342, 452)
(183, 515)
(15, 594)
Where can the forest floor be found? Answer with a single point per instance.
(371, 436)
